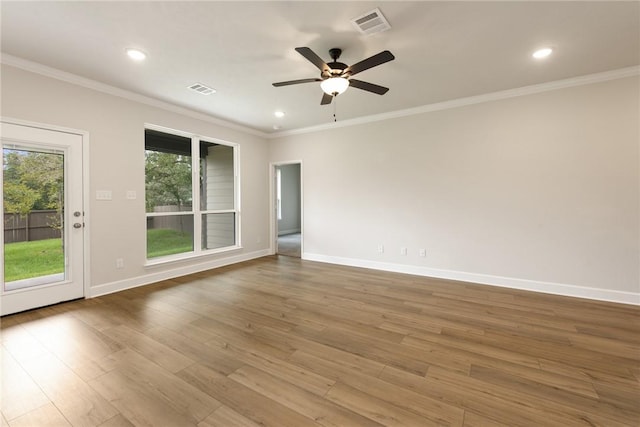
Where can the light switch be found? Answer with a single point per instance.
(131, 194)
(104, 195)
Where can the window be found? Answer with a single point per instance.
(190, 194)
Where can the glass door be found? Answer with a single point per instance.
(43, 217)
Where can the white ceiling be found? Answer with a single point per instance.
(443, 50)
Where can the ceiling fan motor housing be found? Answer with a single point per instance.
(336, 69)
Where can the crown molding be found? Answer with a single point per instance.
(44, 70)
(461, 102)
(54, 73)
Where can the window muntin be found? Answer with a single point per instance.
(191, 194)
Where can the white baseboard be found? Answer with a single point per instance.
(109, 288)
(485, 279)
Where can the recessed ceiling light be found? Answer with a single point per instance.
(276, 127)
(279, 114)
(136, 54)
(542, 53)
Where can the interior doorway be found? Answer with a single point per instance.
(288, 209)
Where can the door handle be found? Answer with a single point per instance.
(77, 225)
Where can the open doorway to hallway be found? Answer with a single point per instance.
(288, 192)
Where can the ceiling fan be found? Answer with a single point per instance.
(335, 77)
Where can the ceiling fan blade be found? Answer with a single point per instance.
(312, 57)
(369, 87)
(326, 99)
(371, 62)
(295, 82)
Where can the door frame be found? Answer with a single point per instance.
(273, 228)
(85, 194)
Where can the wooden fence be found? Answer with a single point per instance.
(180, 223)
(37, 225)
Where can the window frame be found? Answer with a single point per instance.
(196, 206)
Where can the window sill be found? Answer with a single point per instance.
(171, 259)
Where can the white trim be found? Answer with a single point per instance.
(273, 214)
(486, 279)
(18, 285)
(34, 67)
(186, 134)
(86, 193)
(196, 212)
(109, 288)
(168, 213)
(273, 210)
(172, 131)
(183, 256)
(86, 217)
(461, 102)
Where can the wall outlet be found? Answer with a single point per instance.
(381, 248)
(119, 263)
(422, 252)
(403, 251)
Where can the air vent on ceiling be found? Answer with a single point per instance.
(371, 22)
(202, 89)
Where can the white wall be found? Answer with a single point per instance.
(536, 192)
(116, 128)
(290, 186)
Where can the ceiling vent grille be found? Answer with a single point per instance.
(202, 89)
(371, 22)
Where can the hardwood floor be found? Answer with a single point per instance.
(290, 245)
(283, 342)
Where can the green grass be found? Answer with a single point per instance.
(164, 241)
(24, 260)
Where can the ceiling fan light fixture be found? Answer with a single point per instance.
(334, 85)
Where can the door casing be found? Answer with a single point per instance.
(22, 298)
(273, 246)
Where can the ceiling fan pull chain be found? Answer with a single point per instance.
(335, 107)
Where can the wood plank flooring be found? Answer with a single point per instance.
(283, 342)
(290, 245)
